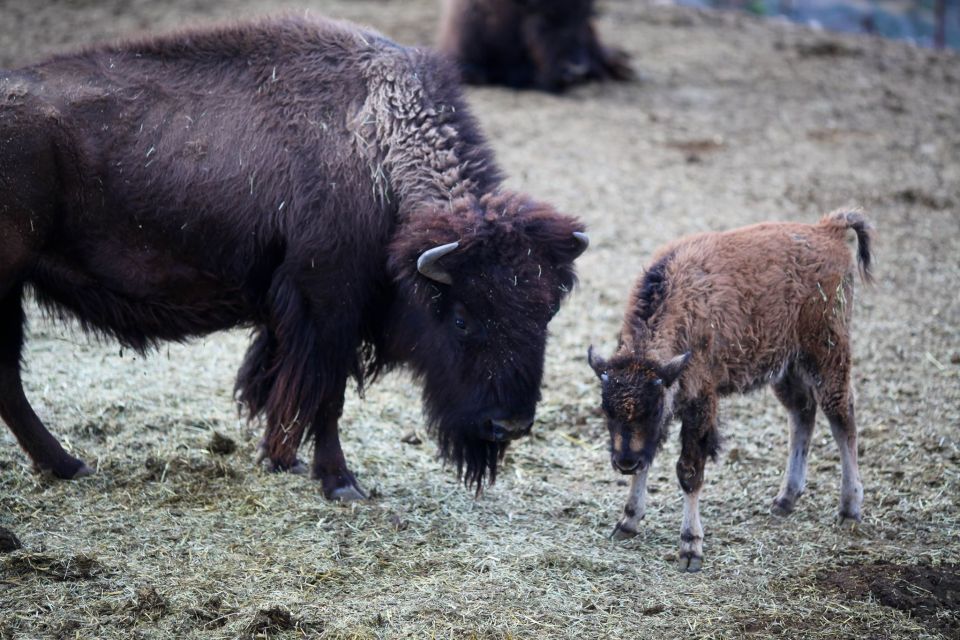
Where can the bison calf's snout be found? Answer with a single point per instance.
(627, 462)
(506, 430)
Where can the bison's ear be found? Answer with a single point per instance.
(563, 237)
(598, 364)
(670, 371)
(426, 246)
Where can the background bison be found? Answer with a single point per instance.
(541, 44)
(738, 120)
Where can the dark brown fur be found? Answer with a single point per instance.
(722, 313)
(283, 175)
(540, 44)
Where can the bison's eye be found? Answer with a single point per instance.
(461, 319)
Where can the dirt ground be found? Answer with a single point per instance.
(734, 120)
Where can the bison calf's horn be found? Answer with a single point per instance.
(427, 263)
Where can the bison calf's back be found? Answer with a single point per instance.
(722, 313)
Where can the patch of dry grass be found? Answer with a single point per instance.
(180, 535)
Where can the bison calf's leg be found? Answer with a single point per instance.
(799, 401)
(844, 429)
(698, 440)
(635, 509)
(40, 445)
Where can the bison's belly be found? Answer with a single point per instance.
(140, 297)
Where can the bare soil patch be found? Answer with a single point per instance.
(930, 593)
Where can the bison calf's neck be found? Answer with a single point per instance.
(305, 178)
(722, 313)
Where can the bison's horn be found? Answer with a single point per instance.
(427, 262)
(583, 241)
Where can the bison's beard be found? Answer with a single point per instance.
(474, 458)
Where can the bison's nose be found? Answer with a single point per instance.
(506, 430)
(628, 462)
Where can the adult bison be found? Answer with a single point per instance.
(304, 177)
(541, 44)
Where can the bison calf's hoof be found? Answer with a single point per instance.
(781, 507)
(848, 520)
(689, 562)
(623, 532)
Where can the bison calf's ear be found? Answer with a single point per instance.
(670, 371)
(598, 364)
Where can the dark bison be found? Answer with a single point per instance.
(303, 177)
(722, 313)
(541, 44)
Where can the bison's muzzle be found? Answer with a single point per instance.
(507, 430)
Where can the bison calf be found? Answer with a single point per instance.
(541, 44)
(723, 313)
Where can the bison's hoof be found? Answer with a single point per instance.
(623, 532)
(348, 493)
(848, 519)
(781, 507)
(67, 469)
(296, 466)
(83, 472)
(689, 562)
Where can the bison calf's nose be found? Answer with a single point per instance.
(628, 463)
(506, 430)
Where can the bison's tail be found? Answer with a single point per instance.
(843, 219)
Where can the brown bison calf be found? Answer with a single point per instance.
(540, 44)
(722, 313)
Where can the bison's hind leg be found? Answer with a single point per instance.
(797, 397)
(42, 447)
(254, 382)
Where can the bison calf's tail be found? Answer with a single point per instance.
(844, 219)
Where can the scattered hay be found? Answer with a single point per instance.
(25, 563)
(269, 621)
(211, 614)
(219, 540)
(149, 604)
(182, 468)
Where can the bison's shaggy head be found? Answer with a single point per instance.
(478, 282)
(637, 399)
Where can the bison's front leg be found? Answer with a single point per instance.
(296, 373)
(329, 463)
(635, 509)
(698, 440)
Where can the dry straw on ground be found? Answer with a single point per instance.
(735, 121)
